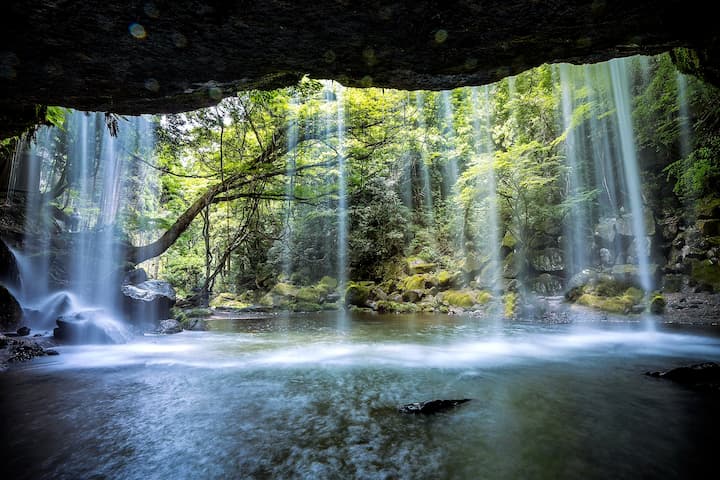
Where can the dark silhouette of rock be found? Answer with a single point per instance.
(81, 328)
(431, 407)
(11, 314)
(702, 376)
(135, 277)
(9, 273)
(148, 302)
(23, 331)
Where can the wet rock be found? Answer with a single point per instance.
(547, 285)
(412, 296)
(23, 331)
(149, 301)
(135, 277)
(548, 260)
(51, 352)
(81, 328)
(9, 273)
(168, 327)
(11, 314)
(701, 376)
(431, 407)
(605, 257)
(194, 324)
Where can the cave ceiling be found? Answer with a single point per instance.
(137, 57)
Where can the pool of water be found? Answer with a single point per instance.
(316, 396)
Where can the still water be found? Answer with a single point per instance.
(315, 396)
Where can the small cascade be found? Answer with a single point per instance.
(621, 95)
(290, 166)
(428, 208)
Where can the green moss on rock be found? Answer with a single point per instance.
(706, 273)
(458, 298)
(357, 295)
(228, 300)
(657, 304)
(417, 265)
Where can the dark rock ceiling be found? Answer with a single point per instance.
(168, 56)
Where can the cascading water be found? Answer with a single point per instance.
(424, 173)
(621, 94)
(290, 166)
(489, 234)
(342, 258)
(72, 264)
(575, 234)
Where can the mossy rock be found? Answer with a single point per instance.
(395, 307)
(508, 241)
(329, 282)
(267, 300)
(458, 298)
(657, 304)
(309, 295)
(617, 304)
(706, 273)
(412, 296)
(446, 279)
(510, 301)
(483, 298)
(416, 282)
(228, 300)
(708, 207)
(329, 306)
(284, 290)
(357, 295)
(415, 265)
(197, 312)
(306, 307)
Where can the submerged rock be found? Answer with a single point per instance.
(431, 407)
(702, 376)
(23, 331)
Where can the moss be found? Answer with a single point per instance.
(708, 207)
(446, 279)
(267, 300)
(706, 274)
(330, 306)
(306, 307)
(458, 298)
(284, 290)
(417, 265)
(483, 298)
(357, 295)
(509, 241)
(329, 282)
(510, 301)
(228, 300)
(657, 304)
(634, 294)
(616, 304)
(309, 295)
(395, 307)
(415, 282)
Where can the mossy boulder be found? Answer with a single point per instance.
(446, 279)
(284, 290)
(228, 300)
(357, 294)
(302, 306)
(706, 274)
(412, 296)
(657, 304)
(418, 282)
(510, 304)
(459, 298)
(385, 306)
(613, 304)
(548, 285)
(415, 265)
(310, 294)
(548, 260)
(508, 241)
(708, 207)
(328, 282)
(709, 227)
(510, 266)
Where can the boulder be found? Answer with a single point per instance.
(23, 331)
(134, 277)
(149, 301)
(547, 285)
(709, 227)
(415, 265)
(81, 328)
(412, 296)
(431, 407)
(9, 273)
(548, 260)
(168, 327)
(703, 376)
(11, 314)
(357, 295)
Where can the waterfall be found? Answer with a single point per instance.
(683, 116)
(423, 164)
(74, 261)
(342, 258)
(576, 228)
(621, 94)
(290, 166)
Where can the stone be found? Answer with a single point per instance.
(431, 407)
(548, 260)
(133, 277)
(168, 327)
(709, 227)
(606, 259)
(149, 301)
(547, 285)
(701, 376)
(357, 295)
(412, 296)
(11, 314)
(9, 273)
(81, 328)
(657, 304)
(23, 331)
(417, 265)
